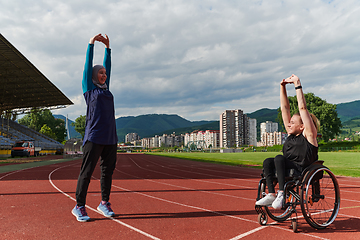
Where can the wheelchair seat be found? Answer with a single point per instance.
(292, 172)
(296, 173)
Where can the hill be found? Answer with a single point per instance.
(152, 124)
(263, 115)
(350, 127)
(158, 124)
(214, 125)
(348, 111)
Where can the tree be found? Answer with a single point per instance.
(46, 130)
(330, 123)
(79, 125)
(36, 119)
(32, 120)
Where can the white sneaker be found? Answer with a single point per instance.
(278, 203)
(266, 201)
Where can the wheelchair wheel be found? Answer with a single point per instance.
(262, 219)
(320, 197)
(278, 215)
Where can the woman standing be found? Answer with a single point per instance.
(100, 139)
(300, 148)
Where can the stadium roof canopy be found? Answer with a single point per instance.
(23, 86)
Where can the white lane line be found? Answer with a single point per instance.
(17, 171)
(205, 181)
(248, 233)
(11, 173)
(150, 236)
(197, 190)
(193, 179)
(87, 206)
(207, 210)
(184, 205)
(206, 174)
(349, 216)
(162, 166)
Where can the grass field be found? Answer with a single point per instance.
(340, 163)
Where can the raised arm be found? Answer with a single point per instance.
(284, 105)
(310, 131)
(87, 83)
(107, 58)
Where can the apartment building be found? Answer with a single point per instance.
(235, 129)
(163, 141)
(273, 138)
(131, 137)
(146, 142)
(203, 139)
(268, 127)
(152, 142)
(270, 135)
(212, 138)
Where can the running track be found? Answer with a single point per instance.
(155, 198)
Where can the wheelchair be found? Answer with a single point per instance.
(317, 192)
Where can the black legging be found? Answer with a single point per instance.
(92, 152)
(279, 164)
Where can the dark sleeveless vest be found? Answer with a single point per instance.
(299, 150)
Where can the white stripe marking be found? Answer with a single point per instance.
(115, 220)
(248, 233)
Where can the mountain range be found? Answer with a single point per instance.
(158, 124)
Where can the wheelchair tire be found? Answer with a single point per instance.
(320, 197)
(278, 215)
(262, 219)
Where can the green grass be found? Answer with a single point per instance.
(340, 163)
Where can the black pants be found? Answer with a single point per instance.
(92, 152)
(279, 164)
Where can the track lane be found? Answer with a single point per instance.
(164, 197)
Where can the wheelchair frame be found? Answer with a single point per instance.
(317, 192)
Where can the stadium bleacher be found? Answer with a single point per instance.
(12, 132)
(26, 88)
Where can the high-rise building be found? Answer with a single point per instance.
(236, 129)
(268, 127)
(252, 132)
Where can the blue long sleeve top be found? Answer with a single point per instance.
(100, 127)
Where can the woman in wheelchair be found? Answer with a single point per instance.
(300, 148)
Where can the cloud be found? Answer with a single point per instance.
(193, 58)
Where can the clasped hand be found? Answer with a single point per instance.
(290, 80)
(100, 38)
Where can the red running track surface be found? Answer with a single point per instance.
(155, 198)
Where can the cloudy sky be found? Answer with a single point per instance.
(193, 58)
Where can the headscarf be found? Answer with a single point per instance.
(95, 79)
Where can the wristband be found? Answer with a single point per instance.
(298, 87)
